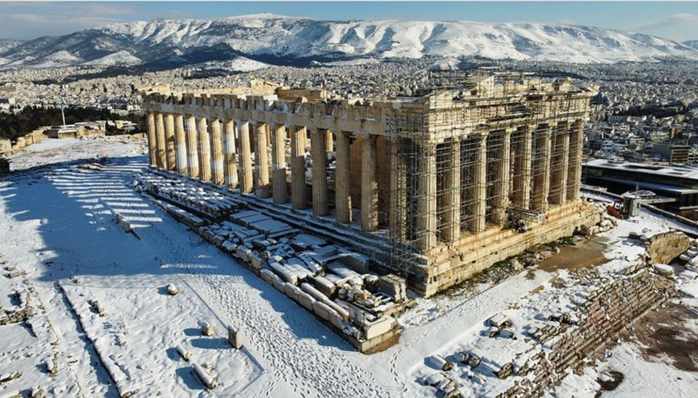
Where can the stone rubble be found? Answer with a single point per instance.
(337, 284)
(561, 328)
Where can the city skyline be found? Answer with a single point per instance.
(676, 21)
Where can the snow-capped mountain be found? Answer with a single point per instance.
(691, 43)
(122, 57)
(7, 44)
(290, 40)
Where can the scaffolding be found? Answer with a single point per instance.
(445, 171)
(470, 156)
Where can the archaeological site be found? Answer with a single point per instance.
(440, 185)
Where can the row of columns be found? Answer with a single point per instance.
(221, 152)
(546, 170)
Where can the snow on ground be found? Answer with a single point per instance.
(122, 57)
(131, 342)
(33, 347)
(51, 151)
(521, 299)
(641, 378)
(59, 222)
(58, 225)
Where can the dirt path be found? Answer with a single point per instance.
(585, 254)
(664, 333)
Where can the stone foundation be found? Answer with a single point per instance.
(472, 254)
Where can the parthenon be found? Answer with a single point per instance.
(447, 182)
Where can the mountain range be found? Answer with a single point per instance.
(264, 38)
(691, 43)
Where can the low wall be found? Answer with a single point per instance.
(8, 148)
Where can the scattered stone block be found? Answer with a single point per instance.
(392, 285)
(324, 285)
(38, 392)
(440, 362)
(354, 261)
(474, 361)
(97, 307)
(236, 338)
(498, 320)
(505, 371)
(208, 381)
(664, 269)
(186, 355)
(7, 377)
(207, 329)
(172, 290)
(664, 247)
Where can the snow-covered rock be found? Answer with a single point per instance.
(664, 269)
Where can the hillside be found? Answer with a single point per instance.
(292, 41)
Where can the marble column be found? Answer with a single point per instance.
(170, 145)
(261, 153)
(152, 140)
(231, 167)
(574, 171)
(161, 139)
(278, 155)
(502, 185)
(397, 217)
(192, 147)
(181, 143)
(318, 151)
(369, 185)
(479, 203)
(298, 141)
(559, 165)
(522, 183)
(329, 141)
(452, 202)
(204, 150)
(245, 168)
(565, 159)
(426, 197)
(541, 179)
(342, 178)
(217, 161)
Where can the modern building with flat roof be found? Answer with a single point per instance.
(676, 182)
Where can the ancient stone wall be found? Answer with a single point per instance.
(608, 310)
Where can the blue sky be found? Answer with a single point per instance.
(677, 20)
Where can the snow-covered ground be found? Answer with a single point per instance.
(57, 224)
(52, 151)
